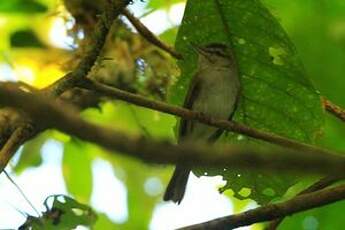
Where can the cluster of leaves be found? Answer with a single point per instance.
(64, 213)
(277, 94)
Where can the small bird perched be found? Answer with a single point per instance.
(214, 91)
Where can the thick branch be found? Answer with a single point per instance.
(273, 211)
(334, 109)
(321, 184)
(96, 44)
(191, 115)
(63, 118)
(70, 80)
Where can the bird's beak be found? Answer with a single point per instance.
(198, 49)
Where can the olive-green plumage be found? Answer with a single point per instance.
(214, 90)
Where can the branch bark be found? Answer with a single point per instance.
(11, 146)
(99, 36)
(64, 118)
(67, 82)
(149, 36)
(334, 109)
(191, 115)
(273, 211)
(321, 184)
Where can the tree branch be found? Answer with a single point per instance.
(64, 118)
(71, 79)
(321, 184)
(334, 109)
(96, 44)
(149, 36)
(191, 115)
(326, 181)
(273, 211)
(11, 146)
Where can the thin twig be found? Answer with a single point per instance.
(62, 117)
(321, 184)
(192, 115)
(273, 211)
(334, 109)
(149, 36)
(22, 193)
(16, 139)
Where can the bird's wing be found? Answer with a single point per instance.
(192, 94)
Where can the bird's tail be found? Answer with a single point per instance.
(177, 185)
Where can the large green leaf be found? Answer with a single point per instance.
(276, 94)
(77, 170)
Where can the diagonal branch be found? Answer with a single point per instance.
(338, 112)
(321, 184)
(149, 36)
(71, 79)
(63, 117)
(334, 109)
(191, 115)
(88, 60)
(11, 146)
(273, 211)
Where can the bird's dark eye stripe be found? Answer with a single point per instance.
(216, 46)
(220, 53)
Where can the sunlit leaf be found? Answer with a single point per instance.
(157, 4)
(31, 153)
(103, 222)
(77, 169)
(169, 36)
(276, 94)
(22, 6)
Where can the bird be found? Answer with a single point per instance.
(214, 91)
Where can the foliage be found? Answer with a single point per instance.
(274, 83)
(64, 213)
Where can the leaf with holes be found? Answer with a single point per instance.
(276, 94)
(62, 213)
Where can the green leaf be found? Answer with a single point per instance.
(276, 94)
(25, 38)
(133, 119)
(169, 36)
(77, 169)
(329, 218)
(31, 153)
(157, 4)
(103, 222)
(22, 6)
(64, 213)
